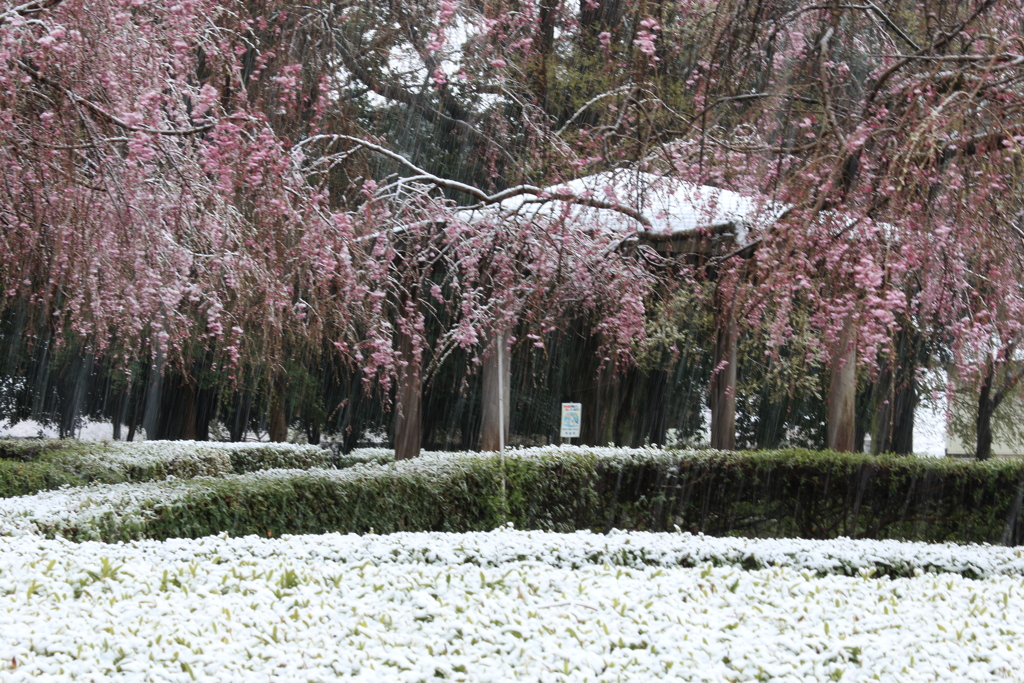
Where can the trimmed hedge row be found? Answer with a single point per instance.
(810, 494)
(767, 494)
(435, 492)
(800, 493)
(31, 465)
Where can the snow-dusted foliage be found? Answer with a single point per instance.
(360, 456)
(118, 461)
(557, 489)
(414, 607)
(187, 459)
(88, 511)
(609, 454)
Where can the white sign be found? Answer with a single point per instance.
(571, 420)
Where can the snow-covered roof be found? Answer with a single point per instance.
(671, 207)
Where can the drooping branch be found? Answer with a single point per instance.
(106, 115)
(28, 9)
(483, 197)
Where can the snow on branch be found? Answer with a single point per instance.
(484, 198)
(104, 114)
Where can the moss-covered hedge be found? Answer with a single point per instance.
(31, 465)
(769, 494)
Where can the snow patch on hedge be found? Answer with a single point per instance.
(184, 459)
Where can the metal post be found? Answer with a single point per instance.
(501, 398)
(500, 343)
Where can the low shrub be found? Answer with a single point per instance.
(810, 494)
(769, 494)
(435, 492)
(31, 465)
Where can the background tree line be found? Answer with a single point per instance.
(253, 214)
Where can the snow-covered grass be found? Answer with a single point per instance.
(500, 606)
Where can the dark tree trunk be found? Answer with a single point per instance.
(490, 374)
(75, 397)
(121, 411)
(883, 413)
(544, 43)
(133, 419)
(206, 410)
(903, 416)
(989, 400)
(312, 433)
(842, 395)
(983, 423)
(188, 411)
(897, 396)
(654, 417)
(603, 15)
(240, 419)
(176, 409)
(408, 430)
(154, 394)
(723, 382)
(277, 420)
(640, 407)
(349, 422)
(983, 447)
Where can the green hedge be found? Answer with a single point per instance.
(31, 465)
(28, 466)
(810, 494)
(768, 494)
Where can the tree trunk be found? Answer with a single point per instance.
(983, 421)
(133, 416)
(188, 411)
(240, 418)
(903, 415)
(544, 48)
(408, 431)
(277, 421)
(206, 410)
(119, 411)
(842, 395)
(492, 376)
(154, 396)
(989, 401)
(656, 416)
(723, 382)
(897, 396)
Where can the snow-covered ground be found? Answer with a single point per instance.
(412, 607)
(90, 431)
